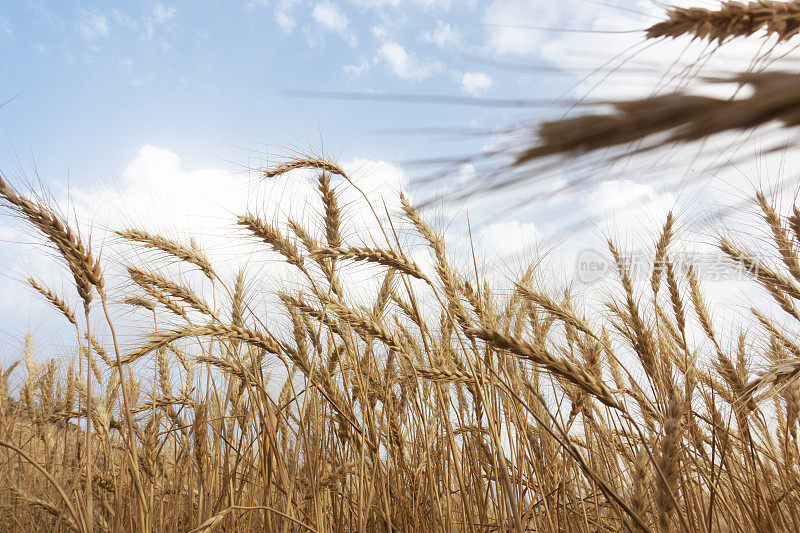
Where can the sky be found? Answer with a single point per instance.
(96, 81)
(158, 113)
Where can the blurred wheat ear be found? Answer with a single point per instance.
(682, 117)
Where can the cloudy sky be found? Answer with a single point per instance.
(98, 80)
(155, 113)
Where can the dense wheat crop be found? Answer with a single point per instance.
(444, 399)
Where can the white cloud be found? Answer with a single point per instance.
(627, 206)
(380, 33)
(5, 26)
(330, 16)
(476, 83)
(404, 65)
(92, 26)
(284, 12)
(286, 22)
(465, 174)
(162, 14)
(444, 36)
(355, 70)
(509, 238)
(159, 15)
(122, 19)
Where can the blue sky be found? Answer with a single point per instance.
(100, 79)
(149, 113)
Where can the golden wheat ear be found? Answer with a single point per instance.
(315, 163)
(77, 255)
(190, 254)
(54, 300)
(731, 20)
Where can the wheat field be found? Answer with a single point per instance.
(442, 401)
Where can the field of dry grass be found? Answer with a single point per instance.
(440, 402)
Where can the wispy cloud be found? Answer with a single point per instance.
(355, 70)
(5, 27)
(160, 15)
(92, 26)
(285, 21)
(123, 19)
(332, 18)
(622, 204)
(444, 36)
(284, 12)
(404, 65)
